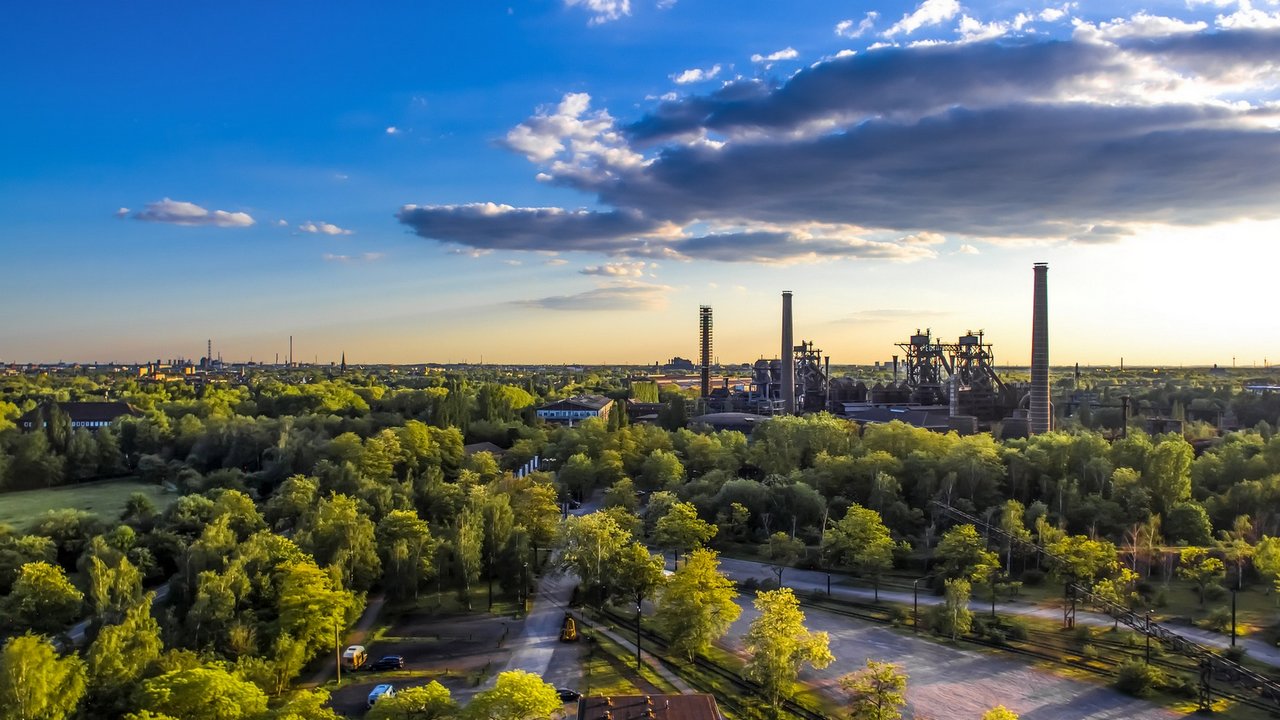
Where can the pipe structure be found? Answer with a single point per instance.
(1039, 412)
(788, 357)
(704, 348)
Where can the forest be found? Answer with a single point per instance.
(290, 496)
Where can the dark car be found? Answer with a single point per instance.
(568, 695)
(390, 662)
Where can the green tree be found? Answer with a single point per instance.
(1198, 566)
(1168, 473)
(589, 546)
(954, 617)
(43, 599)
(516, 695)
(36, 684)
(1188, 523)
(423, 702)
(206, 692)
(861, 541)
(407, 550)
(578, 475)
(662, 470)
(1235, 546)
(118, 658)
(310, 704)
(343, 537)
(1012, 521)
(1084, 559)
(1266, 560)
(622, 494)
(697, 605)
(962, 550)
(778, 645)
(638, 574)
(782, 551)
(682, 530)
(877, 693)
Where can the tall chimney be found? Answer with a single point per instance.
(788, 358)
(704, 347)
(1039, 415)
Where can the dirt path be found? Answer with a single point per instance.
(355, 636)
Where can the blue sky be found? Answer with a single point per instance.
(566, 181)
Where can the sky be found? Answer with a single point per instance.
(566, 181)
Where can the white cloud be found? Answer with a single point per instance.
(930, 12)
(694, 75)
(1248, 17)
(575, 141)
(602, 11)
(967, 249)
(556, 261)
(787, 53)
(1054, 14)
(1141, 25)
(845, 28)
(282, 222)
(122, 212)
(393, 130)
(352, 259)
(619, 269)
(185, 213)
(322, 228)
(622, 295)
(972, 30)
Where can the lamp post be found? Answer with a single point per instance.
(828, 584)
(638, 604)
(1147, 627)
(1233, 617)
(524, 588)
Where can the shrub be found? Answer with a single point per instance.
(1161, 598)
(1214, 592)
(1182, 686)
(1136, 678)
(1017, 629)
(1218, 619)
(1089, 652)
(1082, 634)
(1234, 654)
(1032, 577)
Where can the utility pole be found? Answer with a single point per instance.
(337, 651)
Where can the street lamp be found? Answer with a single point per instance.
(638, 603)
(524, 588)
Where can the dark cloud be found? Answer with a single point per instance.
(612, 298)
(501, 227)
(780, 247)
(1027, 170)
(885, 82)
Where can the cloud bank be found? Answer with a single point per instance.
(889, 153)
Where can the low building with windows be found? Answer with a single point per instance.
(89, 415)
(576, 409)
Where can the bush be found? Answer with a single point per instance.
(1234, 654)
(1089, 652)
(1214, 592)
(1033, 577)
(1161, 598)
(1082, 634)
(1017, 629)
(1182, 686)
(1136, 678)
(899, 616)
(1218, 619)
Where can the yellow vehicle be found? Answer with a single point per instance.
(569, 630)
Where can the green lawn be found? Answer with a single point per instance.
(105, 499)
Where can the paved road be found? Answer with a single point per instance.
(956, 684)
(810, 580)
(355, 636)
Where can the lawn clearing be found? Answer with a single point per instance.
(106, 499)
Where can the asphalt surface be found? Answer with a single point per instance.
(812, 580)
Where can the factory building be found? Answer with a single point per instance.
(88, 415)
(576, 409)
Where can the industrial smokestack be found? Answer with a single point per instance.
(704, 347)
(788, 358)
(1039, 416)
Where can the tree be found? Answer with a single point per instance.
(961, 551)
(309, 705)
(1083, 559)
(423, 702)
(861, 541)
(119, 656)
(1266, 560)
(782, 550)
(682, 530)
(1200, 568)
(516, 695)
(43, 599)
(1012, 521)
(999, 712)
(661, 471)
(36, 684)
(778, 645)
(638, 574)
(206, 692)
(1168, 473)
(876, 693)
(622, 494)
(589, 545)
(342, 536)
(1188, 523)
(954, 617)
(1236, 548)
(696, 606)
(407, 549)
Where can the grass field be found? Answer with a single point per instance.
(105, 499)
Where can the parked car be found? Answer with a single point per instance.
(354, 656)
(379, 692)
(390, 662)
(568, 695)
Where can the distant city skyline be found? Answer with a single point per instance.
(566, 181)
